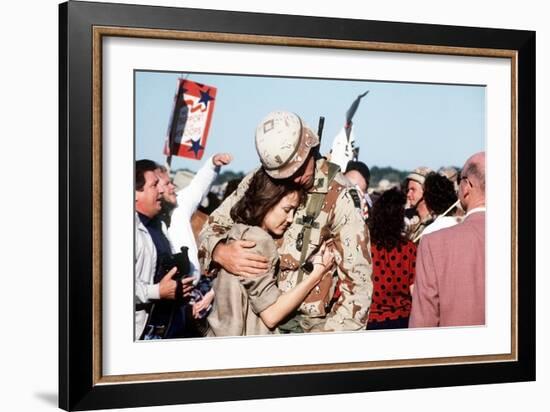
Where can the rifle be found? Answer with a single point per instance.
(320, 127)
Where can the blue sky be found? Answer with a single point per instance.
(403, 125)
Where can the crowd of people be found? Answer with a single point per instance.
(300, 246)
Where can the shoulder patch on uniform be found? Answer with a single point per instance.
(355, 197)
(342, 180)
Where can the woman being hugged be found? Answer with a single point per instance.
(254, 305)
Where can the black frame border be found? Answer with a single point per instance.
(77, 390)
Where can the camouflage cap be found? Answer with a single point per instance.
(283, 143)
(419, 174)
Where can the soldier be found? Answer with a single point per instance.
(418, 214)
(288, 149)
(358, 173)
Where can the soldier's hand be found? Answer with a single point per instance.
(167, 286)
(237, 259)
(222, 159)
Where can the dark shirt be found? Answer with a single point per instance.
(173, 314)
(162, 244)
(168, 313)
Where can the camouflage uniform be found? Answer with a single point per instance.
(415, 227)
(339, 219)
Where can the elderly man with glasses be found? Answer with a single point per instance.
(450, 269)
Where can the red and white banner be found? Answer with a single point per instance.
(190, 121)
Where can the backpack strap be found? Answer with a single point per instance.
(308, 222)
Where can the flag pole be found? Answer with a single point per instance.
(168, 163)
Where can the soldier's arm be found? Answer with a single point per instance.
(218, 224)
(352, 241)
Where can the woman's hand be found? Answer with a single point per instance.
(323, 261)
(202, 304)
(328, 256)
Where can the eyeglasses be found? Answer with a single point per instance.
(461, 178)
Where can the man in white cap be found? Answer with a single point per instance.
(288, 149)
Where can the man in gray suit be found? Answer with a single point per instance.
(450, 270)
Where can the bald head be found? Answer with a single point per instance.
(471, 190)
(475, 168)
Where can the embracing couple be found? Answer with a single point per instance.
(289, 248)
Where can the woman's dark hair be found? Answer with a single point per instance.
(439, 193)
(262, 195)
(387, 219)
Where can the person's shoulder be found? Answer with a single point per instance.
(255, 232)
(240, 231)
(326, 169)
(466, 224)
(139, 224)
(440, 223)
(440, 234)
(340, 179)
(456, 233)
(347, 195)
(475, 218)
(249, 175)
(265, 244)
(472, 225)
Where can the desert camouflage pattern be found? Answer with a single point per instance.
(414, 227)
(340, 220)
(283, 143)
(419, 174)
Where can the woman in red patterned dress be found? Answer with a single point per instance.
(393, 262)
